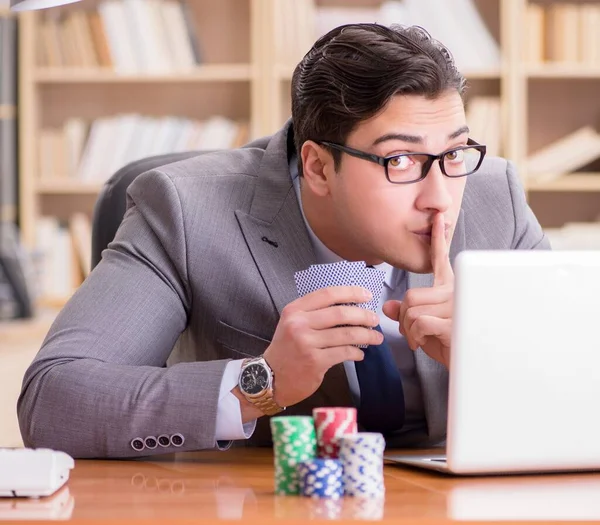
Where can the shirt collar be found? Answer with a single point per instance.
(325, 255)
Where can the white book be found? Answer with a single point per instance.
(119, 36)
(163, 56)
(178, 41)
(565, 155)
(195, 142)
(75, 131)
(185, 135)
(147, 129)
(219, 133)
(130, 153)
(146, 42)
(124, 137)
(442, 27)
(481, 49)
(93, 151)
(178, 128)
(161, 136)
(165, 140)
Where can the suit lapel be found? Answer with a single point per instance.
(433, 376)
(294, 251)
(276, 235)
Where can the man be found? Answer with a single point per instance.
(376, 165)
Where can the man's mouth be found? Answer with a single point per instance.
(425, 233)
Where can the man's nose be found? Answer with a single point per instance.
(434, 194)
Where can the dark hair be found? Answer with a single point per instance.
(352, 72)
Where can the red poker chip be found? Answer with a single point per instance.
(331, 423)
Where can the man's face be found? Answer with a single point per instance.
(379, 221)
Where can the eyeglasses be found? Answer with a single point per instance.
(407, 168)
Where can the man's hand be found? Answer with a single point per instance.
(309, 340)
(425, 314)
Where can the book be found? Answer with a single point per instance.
(565, 155)
(93, 151)
(128, 36)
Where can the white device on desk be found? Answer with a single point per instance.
(28, 472)
(525, 365)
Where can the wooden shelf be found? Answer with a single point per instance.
(283, 72)
(580, 182)
(68, 187)
(205, 73)
(562, 70)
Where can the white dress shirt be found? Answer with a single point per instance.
(229, 421)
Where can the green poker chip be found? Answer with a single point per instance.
(294, 441)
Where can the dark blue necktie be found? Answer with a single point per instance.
(381, 395)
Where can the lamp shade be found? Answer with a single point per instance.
(28, 5)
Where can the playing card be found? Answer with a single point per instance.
(343, 273)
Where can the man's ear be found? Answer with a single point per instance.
(317, 167)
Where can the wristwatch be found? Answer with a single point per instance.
(256, 385)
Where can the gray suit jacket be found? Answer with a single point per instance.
(189, 278)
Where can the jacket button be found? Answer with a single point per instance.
(150, 442)
(177, 440)
(164, 440)
(137, 444)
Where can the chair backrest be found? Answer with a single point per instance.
(110, 205)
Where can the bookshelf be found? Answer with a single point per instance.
(559, 76)
(249, 49)
(59, 83)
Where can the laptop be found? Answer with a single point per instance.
(524, 383)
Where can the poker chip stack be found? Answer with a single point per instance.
(361, 455)
(332, 423)
(324, 457)
(294, 441)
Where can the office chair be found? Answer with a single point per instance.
(110, 205)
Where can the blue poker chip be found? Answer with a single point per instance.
(321, 478)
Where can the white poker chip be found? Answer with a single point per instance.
(361, 455)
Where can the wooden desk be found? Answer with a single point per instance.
(238, 484)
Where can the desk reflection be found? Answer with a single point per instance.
(540, 498)
(59, 506)
(298, 507)
(239, 486)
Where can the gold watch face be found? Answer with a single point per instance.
(255, 379)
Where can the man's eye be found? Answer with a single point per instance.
(455, 156)
(400, 163)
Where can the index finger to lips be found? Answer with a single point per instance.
(440, 257)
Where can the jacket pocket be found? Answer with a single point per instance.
(238, 343)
